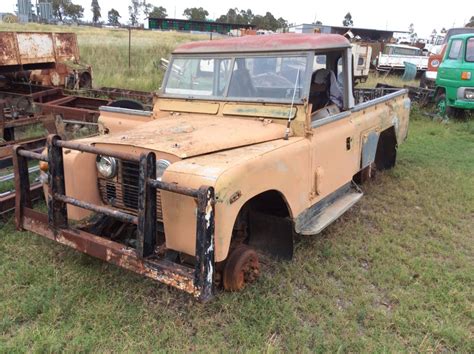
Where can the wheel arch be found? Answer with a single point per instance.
(439, 90)
(386, 153)
(264, 221)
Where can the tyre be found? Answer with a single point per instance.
(442, 107)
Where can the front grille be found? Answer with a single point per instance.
(122, 191)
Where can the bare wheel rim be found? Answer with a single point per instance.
(242, 268)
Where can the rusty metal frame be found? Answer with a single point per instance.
(142, 260)
(9, 124)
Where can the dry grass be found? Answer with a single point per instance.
(392, 79)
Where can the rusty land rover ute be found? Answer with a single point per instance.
(251, 141)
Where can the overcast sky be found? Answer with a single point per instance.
(392, 15)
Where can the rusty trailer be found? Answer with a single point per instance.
(50, 59)
(142, 259)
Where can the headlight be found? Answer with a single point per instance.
(106, 166)
(469, 94)
(161, 166)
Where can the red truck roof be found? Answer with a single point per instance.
(266, 43)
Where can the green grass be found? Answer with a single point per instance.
(393, 274)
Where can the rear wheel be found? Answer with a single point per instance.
(242, 268)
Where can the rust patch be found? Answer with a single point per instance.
(163, 271)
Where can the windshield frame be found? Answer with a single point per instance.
(233, 56)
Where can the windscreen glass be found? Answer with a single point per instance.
(198, 77)
(259, 77)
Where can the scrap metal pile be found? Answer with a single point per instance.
(45, 89)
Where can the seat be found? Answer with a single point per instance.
(325, 112)
(325, 90)
(241, 83)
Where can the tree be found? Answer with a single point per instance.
(196, 14)
(158, 12)
(237, 16)
(65, 9)
(347, 22)
(134, 12)
(74, 12)
(434, 33)
(114, 16)
(269, 22)
(247, 16)
(57, 6)
(443, 30)
(318, 23)
(95, 11)
(282, 24)
(413, 34)
(471, 22)
(146, 8)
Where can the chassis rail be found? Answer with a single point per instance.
(142, 259)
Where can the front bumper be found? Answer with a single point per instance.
(143, 259)
(461, 101)
(431, 75)
(464, 104)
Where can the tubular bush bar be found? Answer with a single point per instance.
(22, 184)
(98, 209)
(201, 278)
(146, 235)
(32, 155)
(96, 150)
(57, 209)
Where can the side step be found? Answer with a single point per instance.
(330, 212)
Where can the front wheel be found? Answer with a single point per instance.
(242, 268)
(442, 107)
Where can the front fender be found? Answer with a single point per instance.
(237, 175)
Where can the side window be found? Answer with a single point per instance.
(470, 50)
(319, 62)
(340, 72)
(455, 50)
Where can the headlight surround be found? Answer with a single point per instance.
(161, 166)
(106, 166)
(469, 94)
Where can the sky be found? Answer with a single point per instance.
(396, 15)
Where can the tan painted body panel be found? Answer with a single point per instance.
(191, 135)
(112, 122)
(238, 170)
(236, 154)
